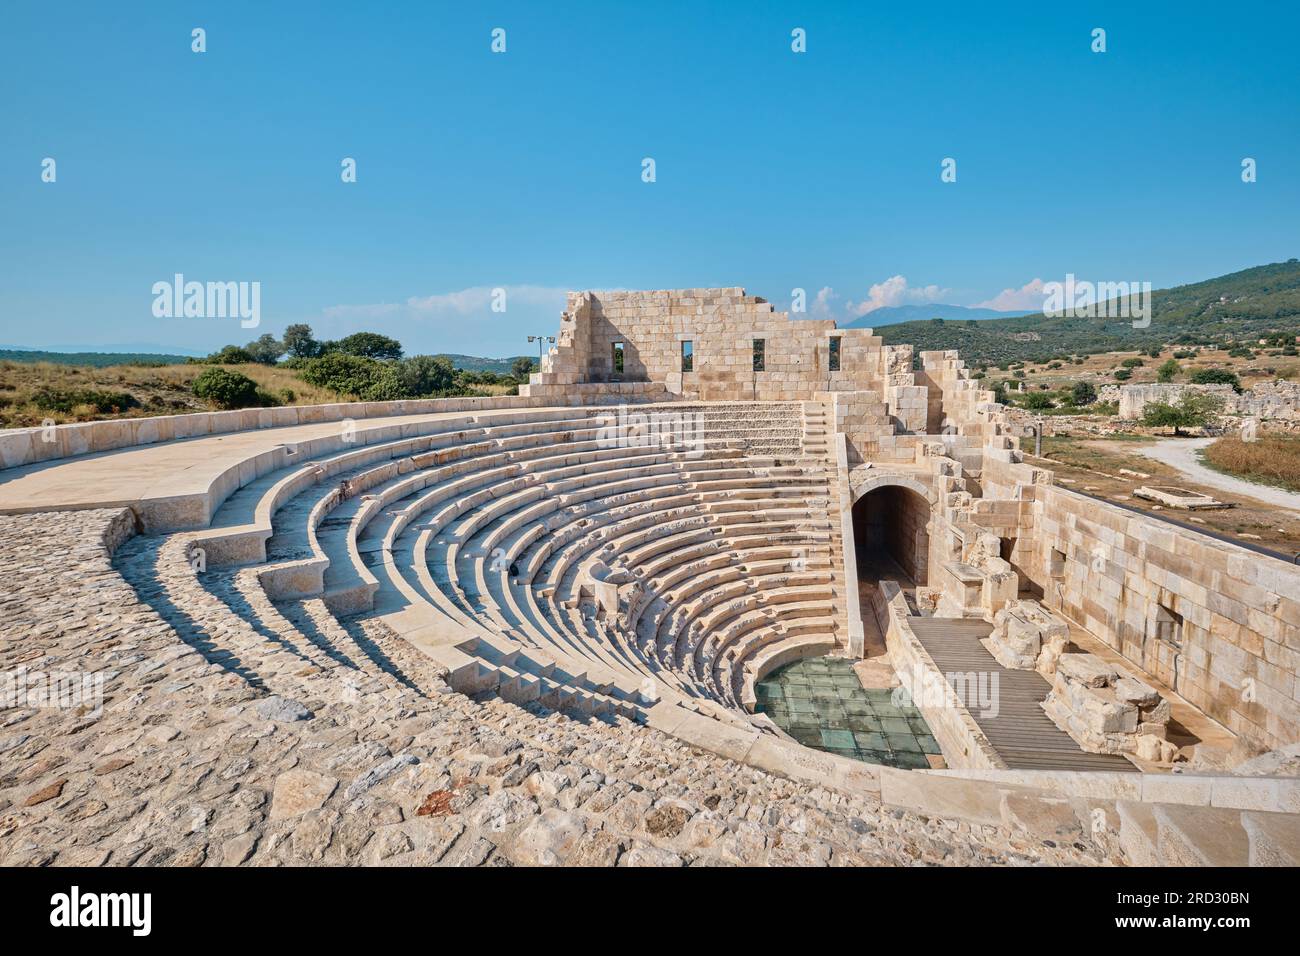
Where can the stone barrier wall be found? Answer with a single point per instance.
(26, 446)
(963, 744)
(1218, 623)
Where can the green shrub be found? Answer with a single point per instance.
(104, 403)
(1216, 376)
(1037, 401)
(226, 389)
(230, 355)
(423, 375)
(365, 378)
(1083, 393)
(1123, 374)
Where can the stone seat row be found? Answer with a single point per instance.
(413, 522)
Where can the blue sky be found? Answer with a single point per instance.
(522, 170)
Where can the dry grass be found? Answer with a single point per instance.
(1271, 460)
(29, 392)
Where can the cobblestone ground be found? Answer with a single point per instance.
(237, 732)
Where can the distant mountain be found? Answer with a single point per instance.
(127, 356)
(94, 359)
(474, 363)
(894, 314)
(102, 348)
(1238, 307)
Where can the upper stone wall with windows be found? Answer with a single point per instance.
(722, 326)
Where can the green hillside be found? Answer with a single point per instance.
(1243, 306)
(475, 363)
(92, 359)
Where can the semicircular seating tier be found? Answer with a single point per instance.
(554, 555)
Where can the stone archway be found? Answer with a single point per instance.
(890, 530)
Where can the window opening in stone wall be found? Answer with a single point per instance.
(688, 356)
(1056, 566)
(1169, 626)
(760, 357)
(835, 353)
(618, 358)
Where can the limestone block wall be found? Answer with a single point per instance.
(956, 402)
(1218, 623)
(862, 417)
(1133, 399)
(721, 325)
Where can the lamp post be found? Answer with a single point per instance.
(541, 341)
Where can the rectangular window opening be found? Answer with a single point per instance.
(1057, 564)
(688, 356)
(618, 358)
(835, 353)
(760, 354)
(1169, 626)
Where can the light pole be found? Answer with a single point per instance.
(541, 341)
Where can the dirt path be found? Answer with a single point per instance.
(1181, 454)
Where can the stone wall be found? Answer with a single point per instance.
(721, 325)
(1218, 623)
(1133, 399)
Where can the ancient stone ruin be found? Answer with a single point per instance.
(550, 628)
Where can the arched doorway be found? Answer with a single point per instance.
(890, 537)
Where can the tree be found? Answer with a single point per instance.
(1192, 411)
(422, 375)
(342, 373)
(522, 368)
(1216, 376)
(1123, 374)
(1083, 393)
(1168, 371)
(299, 343)
(225, 389)
(265, 350)
(1037, 401)
(230, 355)
(370, 345)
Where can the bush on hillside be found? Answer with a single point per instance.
(66, 401)
(226, 389)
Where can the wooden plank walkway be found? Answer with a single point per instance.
(1023, 735)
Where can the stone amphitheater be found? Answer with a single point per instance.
(596, 623)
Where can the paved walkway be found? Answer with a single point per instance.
(169, 469)
(1181, 454)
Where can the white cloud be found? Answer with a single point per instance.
(821, 307)
(1028, 296)
(474, 301)
(895, 291)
